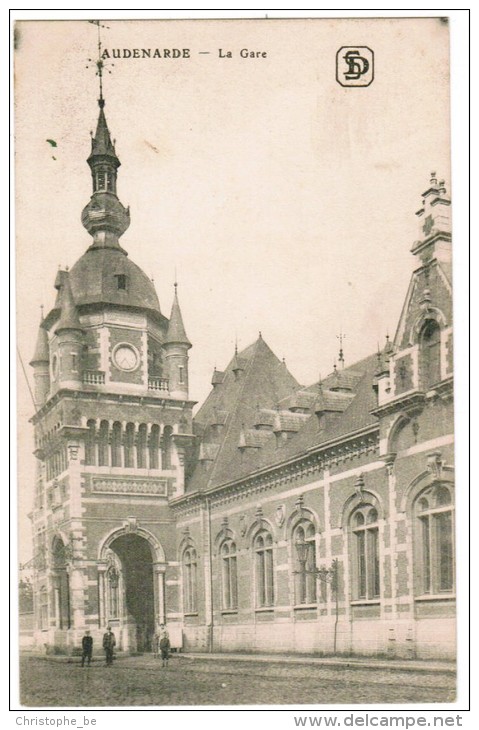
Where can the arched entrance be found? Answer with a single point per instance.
(131, 586)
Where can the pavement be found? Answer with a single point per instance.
(373, 663)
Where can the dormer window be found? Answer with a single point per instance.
(121, 281)
(430, 347)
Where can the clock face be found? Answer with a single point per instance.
(126, 357)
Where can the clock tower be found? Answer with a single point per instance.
(113, 428)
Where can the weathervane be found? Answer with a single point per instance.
(341, 337)
(99, 63)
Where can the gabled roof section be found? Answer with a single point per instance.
(261, 431)
(261, 384)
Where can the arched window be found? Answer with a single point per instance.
(305, 583)
(434, 540)
(430, 348)
(128, 445)
(116, 444)
(189, 580)
(154, 442)
(365, 534)
(264, 574)
(103, 444)
(141, 447)
(229, 575)
(166, 443)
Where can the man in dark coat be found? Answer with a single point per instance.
(109, 642)
(86, 648)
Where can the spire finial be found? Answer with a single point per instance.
(99, 63)
(41, 312)
(176, 281)
(341, 337)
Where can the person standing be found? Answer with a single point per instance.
(109, 642)
(164, 645)
(87, 648)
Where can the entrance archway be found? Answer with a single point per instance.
(136, 560)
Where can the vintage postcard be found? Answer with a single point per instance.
(235, 334)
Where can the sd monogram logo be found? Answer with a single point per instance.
(354, 66)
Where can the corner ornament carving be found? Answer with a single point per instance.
(242, 527)
(389, 460)
(131, 524)
(435, 464)
(280, 515)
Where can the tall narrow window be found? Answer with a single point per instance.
(141, 447)
(430, 347)
(100, 180)
(189, 580)
(128, 445)
(153, 446)
(116, 444)
(103, 444)
(229, 575)
(365, 532)
(435, 540)
(181, 374)
(305, 584)
(90, 455)
(166, 444)
(263, 548)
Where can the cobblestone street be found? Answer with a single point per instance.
(141, 681)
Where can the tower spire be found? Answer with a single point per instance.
(104, 217)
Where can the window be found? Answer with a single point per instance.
(128, 445)
(263, 548)
(305, 583)
(141, 447)
(435, 540)
(365, 533)
(181, 376)
(116, 444)
(229, 575)
(103, 444)
(430, 347)
(153, 444)
(90, 455)
(166, 442)
(189, 580)
(100, 180)
(120, 281)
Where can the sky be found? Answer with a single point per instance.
(284, 202)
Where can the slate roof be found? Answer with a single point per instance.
(69, 319)
(101, 144)
(258, 398)
(42, 350)
(176, 329)
(93, 280)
